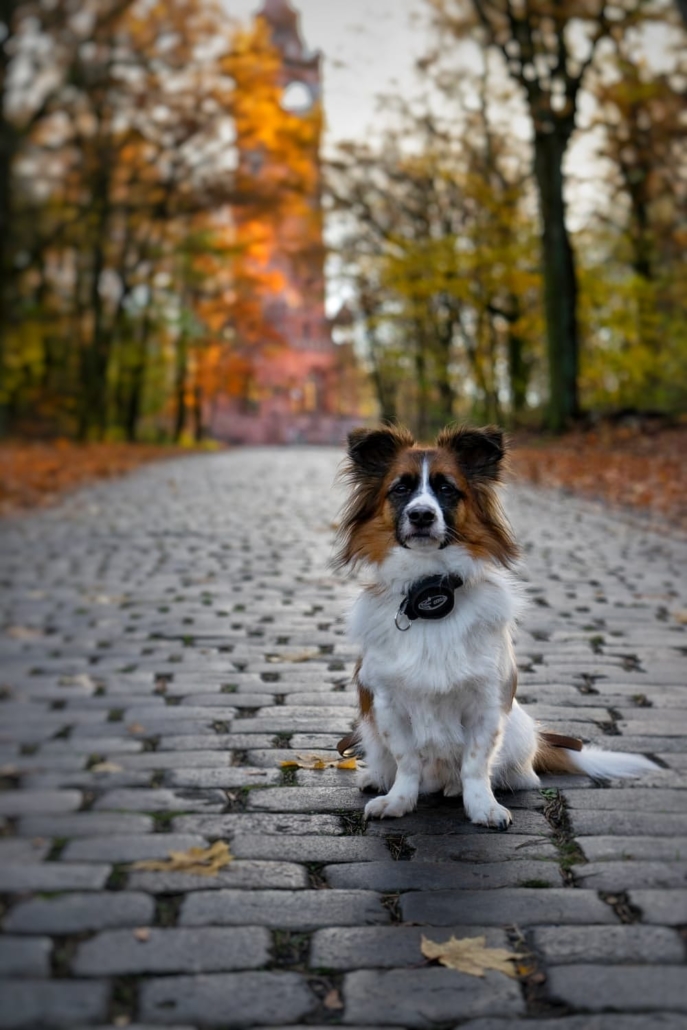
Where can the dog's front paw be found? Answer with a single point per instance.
(493, 815)
(388, 807)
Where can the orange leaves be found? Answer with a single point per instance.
(34, 474)
(616, 465)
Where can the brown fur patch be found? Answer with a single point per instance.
(366, 530)
(552, 759)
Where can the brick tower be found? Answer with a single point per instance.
(300, 386)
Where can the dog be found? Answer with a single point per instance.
(437, 674)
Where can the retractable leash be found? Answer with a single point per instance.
(431, 598)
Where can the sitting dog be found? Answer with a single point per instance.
(437, 675)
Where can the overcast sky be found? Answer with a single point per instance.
(368, 46)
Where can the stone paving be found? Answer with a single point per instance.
(167, 640)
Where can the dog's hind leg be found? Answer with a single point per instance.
(513, 765)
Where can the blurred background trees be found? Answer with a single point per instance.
(538, 314)
(132, 241)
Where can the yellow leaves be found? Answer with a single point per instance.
(470, 955)
(195, 861)
(106, 767)
(295, 656)
(316, 762)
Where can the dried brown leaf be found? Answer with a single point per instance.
(317, 762)
(295, 656)
(106, 767)
(332, 1000)
(142, 933)
(196, 861)
(24, 632)
(469, 955)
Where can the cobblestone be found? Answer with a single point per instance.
(246, 999)
(210, 950)
(77, 913)
(177, 653)
(620, 988)
(63, 1003)
(425, 997)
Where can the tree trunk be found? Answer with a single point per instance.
(560, 280)
(422, 412)
(180, 388)
(444, 385)
(518, 367)
(198, 428)
(8, 145)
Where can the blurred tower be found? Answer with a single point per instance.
(299, 383)
(298, 252)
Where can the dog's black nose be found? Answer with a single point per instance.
(421, 517)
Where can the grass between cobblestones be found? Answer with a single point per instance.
(569, 851)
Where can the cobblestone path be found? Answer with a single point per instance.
(168, 639)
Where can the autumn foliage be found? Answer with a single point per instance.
(133, 245)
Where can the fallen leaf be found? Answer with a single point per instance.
(294, 656)
(23, 632)
(332, 1000)
(142, 933)
(681, 617)
(347, 763)
(82, 680)
(316, 762)
(196, 861)
(469, 955)
(106, 767)
(135, 727)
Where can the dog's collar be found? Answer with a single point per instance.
(432, 597)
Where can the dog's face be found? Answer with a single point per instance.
(425, 499)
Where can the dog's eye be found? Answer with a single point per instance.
(446, 489)
(401, 489)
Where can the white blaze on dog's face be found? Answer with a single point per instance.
(423, 502)
(424, 499)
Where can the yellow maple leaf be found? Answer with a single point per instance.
(316, 762)
(469, 955)
(196, 861)
(294, 656)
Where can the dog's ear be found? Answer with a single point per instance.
(371, 451)
(479, 452)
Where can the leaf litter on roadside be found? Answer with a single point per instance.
(470, 955)
(317, 762)
(196, 861)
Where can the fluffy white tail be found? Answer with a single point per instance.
(553, 756)
(593, 761)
